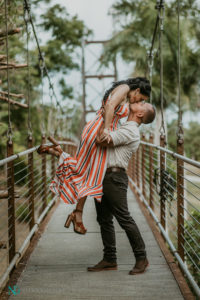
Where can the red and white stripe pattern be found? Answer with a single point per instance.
(83, 174)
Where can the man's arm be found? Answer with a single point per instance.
(121, 136)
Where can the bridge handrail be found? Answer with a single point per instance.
(164, 233)
(24, 178)
(163, 183)
(31, 150)
(174, 154)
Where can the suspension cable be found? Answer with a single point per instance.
(51, 118)
(154, 33)
(161, 12)
(26, 20)
(180, 125)
(41, 65)
(9, 131)
(150, 55)
(41, 54)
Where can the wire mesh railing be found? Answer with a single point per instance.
(24, 201)
(169, 185)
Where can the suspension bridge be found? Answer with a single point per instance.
(40, 259)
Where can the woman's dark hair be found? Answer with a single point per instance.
(134, 83)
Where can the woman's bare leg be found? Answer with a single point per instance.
(79, 207)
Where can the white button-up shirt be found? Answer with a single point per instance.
(126, 140)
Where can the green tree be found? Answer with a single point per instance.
(62, 36)
(133, 39)
(192, 141)
(192, 246)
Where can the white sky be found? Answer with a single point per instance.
(93, 13)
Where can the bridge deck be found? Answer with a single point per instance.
(57, 267)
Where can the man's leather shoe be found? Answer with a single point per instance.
(103, 266)
(140, 266)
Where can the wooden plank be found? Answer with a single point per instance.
(19, 96)
(10, 32)
(2, 57)
(13, 66)
(4, 194)
(13, 102)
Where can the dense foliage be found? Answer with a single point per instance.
(135, 22)
(61, 36)
(191, 139)
(192, 246)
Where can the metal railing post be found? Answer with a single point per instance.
(143, 167)
(70, 149)
(137, 165)
(162, 169)
(180, 198)
(11, 202)
(64, 148)
(151, 153)
(31, 184)
(74, 151)
(44, 177)
(53, 169)
(134, 167)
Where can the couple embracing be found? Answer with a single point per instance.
(99, 168)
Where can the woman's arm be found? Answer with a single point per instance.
(118, 96)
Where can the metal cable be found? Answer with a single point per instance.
(191, 237)
(9, 132)
(188, 180)
(189, 203)
(190, 192)
(161, 12)
(191, 247)
(16, 164)
(187, 253)
(189, 215)
(26, 20)
(40, 53)
(191, 226)
(180, 125)
(51, 117)
(21, 170)
(41, 65)
(183, 167)
(25, 209)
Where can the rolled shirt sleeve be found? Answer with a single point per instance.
(126, 134)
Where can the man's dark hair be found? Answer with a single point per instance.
(134, 83)
(149, 115)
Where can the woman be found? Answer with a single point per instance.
(80, 176)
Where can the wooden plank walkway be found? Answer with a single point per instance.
(57, 267)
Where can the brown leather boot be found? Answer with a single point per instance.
(140, 266)
(103, 266)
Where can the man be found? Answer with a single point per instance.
(121, 144)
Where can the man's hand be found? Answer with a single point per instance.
(104, 135)
(103, 138)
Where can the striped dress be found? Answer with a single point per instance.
(83, 174)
